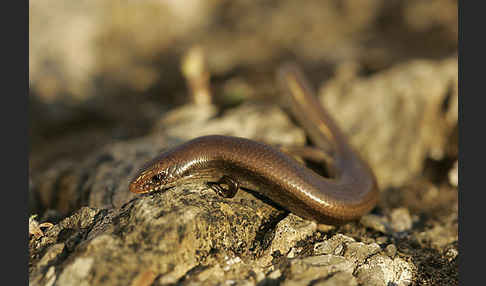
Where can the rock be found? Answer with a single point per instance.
(288, 232)
(113, 245)
(359, 252)
(400, 220)
(451, 253)
(76, 273)
(439, 236)
(51, 254)
(391, 250)
(244, 121)
(375, 222)
(334, 245)
(383, 271)
(403, 112)
(365, 260)
(381, 239)
(454, 175)
(304, 271)
(35, 227)
(340, 278)
(142, 232)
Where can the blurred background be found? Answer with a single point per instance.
(102, 71)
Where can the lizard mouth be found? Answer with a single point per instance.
(137, 188)
(134, 188)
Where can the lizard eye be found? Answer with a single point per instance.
(158, 177)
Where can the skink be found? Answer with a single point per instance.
(228, 163)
